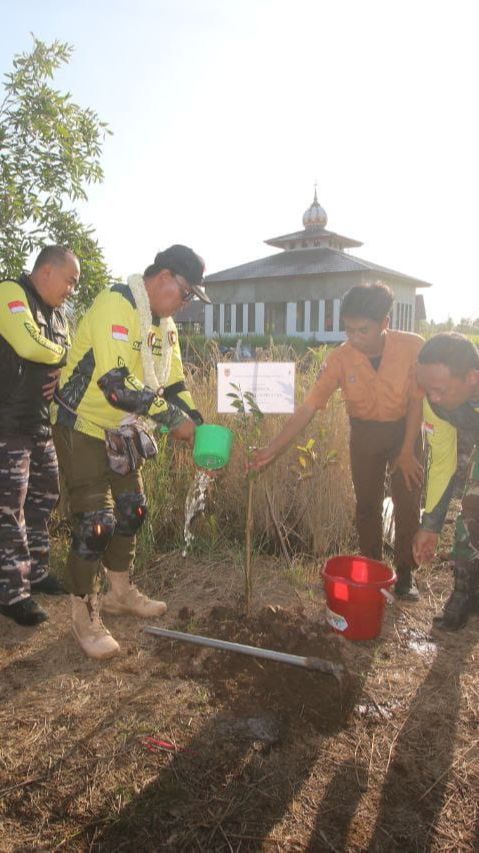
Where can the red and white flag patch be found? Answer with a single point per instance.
(17, 306)
(119, 333)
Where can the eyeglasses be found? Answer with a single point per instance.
(186, 294)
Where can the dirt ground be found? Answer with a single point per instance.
(254, 755)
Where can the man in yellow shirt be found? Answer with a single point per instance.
(375, 370)
(448, 370)
(124, 370)
(33, 345)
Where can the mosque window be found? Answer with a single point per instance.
(251, 318)
(328, 315)
(402, 314)
(239, 318)
(275, 318)
(300, 317)
(314, 317)
(216, 318)
(227, 319)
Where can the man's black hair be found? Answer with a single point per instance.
(56, 255)
(453, 350)
(373, 301)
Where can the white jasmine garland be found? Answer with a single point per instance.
(156, 371)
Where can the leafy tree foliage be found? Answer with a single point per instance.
(49, 153)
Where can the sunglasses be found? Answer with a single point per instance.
(186, 294)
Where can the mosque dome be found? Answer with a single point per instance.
(315, 216)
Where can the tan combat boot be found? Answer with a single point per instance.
(88, 629)
(124, 597)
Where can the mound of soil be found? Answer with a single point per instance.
(251, 685)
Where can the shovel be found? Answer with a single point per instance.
(311, 663)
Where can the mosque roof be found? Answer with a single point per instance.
(305, 262)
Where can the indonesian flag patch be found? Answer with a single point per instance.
(119, 333)
(17, 306)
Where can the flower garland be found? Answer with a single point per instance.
(156, 372)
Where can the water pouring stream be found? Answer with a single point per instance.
(195, 503)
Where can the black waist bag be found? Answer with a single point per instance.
(127, 447)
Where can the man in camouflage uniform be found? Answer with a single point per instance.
(448, 370)
(33, 345)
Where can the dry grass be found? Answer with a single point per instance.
(387, 763)
(309, 509)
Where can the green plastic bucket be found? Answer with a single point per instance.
(213, 445)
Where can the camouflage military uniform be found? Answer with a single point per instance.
(33, 342)
(29, 491)
(466, 542)
(443, 428)
(465, 446)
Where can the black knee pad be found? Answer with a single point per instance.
(93, 532)
(131, 513)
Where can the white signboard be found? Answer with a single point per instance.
(271, 383)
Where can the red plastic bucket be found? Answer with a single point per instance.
(355, 603)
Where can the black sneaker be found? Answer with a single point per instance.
(406, 590)
(24, 612)
(48, 586)
(455, 614)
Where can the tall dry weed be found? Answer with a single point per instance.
(306, 510)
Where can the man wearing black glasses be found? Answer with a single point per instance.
(123, 377)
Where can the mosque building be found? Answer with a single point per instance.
(298, 292)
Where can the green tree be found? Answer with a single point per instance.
(49, 153)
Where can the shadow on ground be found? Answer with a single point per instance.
(241, 770)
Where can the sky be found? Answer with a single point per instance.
(224, 114)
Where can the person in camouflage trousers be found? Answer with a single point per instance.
(33, 346)
(29, 492)
(466, 539)
(448, 370)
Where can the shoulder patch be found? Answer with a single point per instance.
(119, 333)
(17, 306)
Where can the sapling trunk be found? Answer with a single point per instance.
(249, 547)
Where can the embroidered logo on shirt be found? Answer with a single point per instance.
(119, 333)
(17, 306)
(151, 340)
